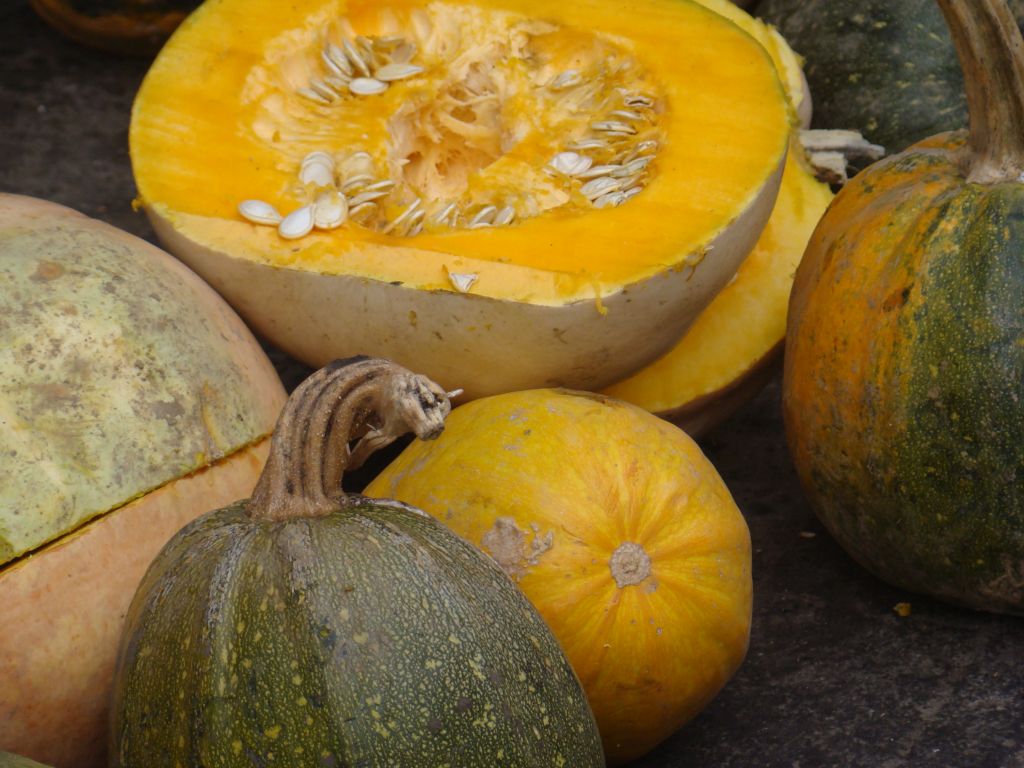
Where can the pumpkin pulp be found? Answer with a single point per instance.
(905, 361)
(619, 531)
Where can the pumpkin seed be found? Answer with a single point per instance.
(358, 212)
(566, 79)
(611, 200)
(368, 197)
(312, 96)
(599, 170)
(330, 210)
(602, 185)
(317, 172)
(333, 66)
(586, 144)
(296, 224)
(613, 126)
(504, 216)
(337, 57)
(463, 281)
(626, 114)
(483, 217)
(353, 55)
(259, 212)
(391, 72)
(446, 213)
(637, 100)
(404, 53)
(570, 163)
(404, 216)
(366, 86)
(356, 182)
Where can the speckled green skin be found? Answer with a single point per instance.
(904, 380)
(370, 637)
(121, 371)
(7, 760)
(884, 67)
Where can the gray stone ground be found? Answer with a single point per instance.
(833, 677)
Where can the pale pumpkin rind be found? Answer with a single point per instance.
(730, 351)
(584, 297)
(123, 374)
(123, 371)
(619, 531)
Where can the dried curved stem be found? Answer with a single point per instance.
(991, 52)
(371, 400)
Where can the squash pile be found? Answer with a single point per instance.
(132, 397)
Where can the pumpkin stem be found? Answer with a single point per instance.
(991, 52)
(370, 400)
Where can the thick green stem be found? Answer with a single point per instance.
(991, 52)
(370, 400)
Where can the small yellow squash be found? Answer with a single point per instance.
(619, 531)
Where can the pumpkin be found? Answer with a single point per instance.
(568, 182)
(7, 760)
(619, 531)
(886, 68)
(131, 395)
(118, 26)
(904, 366)
(309, 627)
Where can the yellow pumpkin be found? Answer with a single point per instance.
(490, 255)
(619, 531)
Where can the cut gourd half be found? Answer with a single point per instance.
(500, 195)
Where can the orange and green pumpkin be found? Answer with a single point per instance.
(904, 375)
(305, 627)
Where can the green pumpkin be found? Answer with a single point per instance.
(7, 760)
(305, 627)
(886, 68)
(903, 387)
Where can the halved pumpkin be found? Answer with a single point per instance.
(132, 398)
(465, 230)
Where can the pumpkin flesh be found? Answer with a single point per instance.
(567, 278)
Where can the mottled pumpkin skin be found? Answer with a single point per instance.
(904, 377)
(369, 637)
(884, 67)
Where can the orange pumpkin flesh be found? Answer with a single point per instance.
(619, 531)
(584, 295)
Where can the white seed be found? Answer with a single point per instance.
(570, 163)
(390, 41)
(317, 173)
(356, 182)
(600, 186)
(637, 100)
(626, 114)
(358, 212)
(259, 212)
(333, 66)
(611, 200)
(633, 166)
(296, 224)
(415, 229)
(413, 208)
(312, 96)
(330, 210)
(599, 170)
(421, 24)
(386, 184)
(632, 192)
(366, 86)
(355, 58)
(462, 281)
(367, 197)
(483, 217)
(566, 79)
(415, 224)
(504, 216)
(445, 213)
(649, 145)
(613, 126)
(403, 53)
(337, 84)
(337, 57)
(584, 144)
(391, 72)
(321, 87)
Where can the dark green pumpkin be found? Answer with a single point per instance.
(307, 628)
(886, 68)
(903, 387)
(118, 26)
(7, 760)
